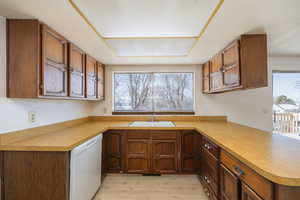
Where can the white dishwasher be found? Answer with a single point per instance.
(85, 172)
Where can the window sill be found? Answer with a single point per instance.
(153, 113)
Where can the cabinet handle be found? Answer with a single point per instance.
(207, 146)
(239, 171)
(207, 193)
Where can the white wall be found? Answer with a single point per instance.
(248, 107)
(14, 112)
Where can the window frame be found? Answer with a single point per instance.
(152, 112)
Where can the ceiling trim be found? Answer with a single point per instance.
(202, 31)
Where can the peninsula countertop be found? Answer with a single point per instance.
(273, 156)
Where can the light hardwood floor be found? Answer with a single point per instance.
(138, 187)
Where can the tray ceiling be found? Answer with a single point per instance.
(148, 28)
(279, 19)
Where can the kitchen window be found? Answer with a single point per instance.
(153, 93)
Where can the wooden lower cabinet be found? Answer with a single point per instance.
(137, 156)
(229, 184)
(113, 157)
(190, 152)
(154, 152)
(36, 175)
(164, 156)
(249, 194)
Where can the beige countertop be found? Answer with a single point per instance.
(272, 156)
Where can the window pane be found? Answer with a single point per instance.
(132, 92)
(173, 91)
(153, 92)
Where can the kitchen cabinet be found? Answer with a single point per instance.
(190, 152)
(205, 77)
(91, 77)
(77, 72)
(151, 152)
(36, 175)
(240, 65)
(137, 155)
(216, 76)
(43, 64)
(229, 185)
(54, 68)
(209, 174)
(101, 81)
(114, 149)
(249, 194)
(231, 65)
(258, 184)
(164, 156)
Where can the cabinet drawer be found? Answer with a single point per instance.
(211, 163)
(163, 135)
(259, 184)
(211, 147)
(210, 179)
(138, 134)
(207, 190)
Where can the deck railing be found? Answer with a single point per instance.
(286, 123)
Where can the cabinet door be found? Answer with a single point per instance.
(77, 70)
(216, 75)
(54, 66)
(36, 175)
(164, 156)
(114, 151)
(231, 67)
(137, 156)
(206, 77)
(229, 185)
(101, 81)
(91, 77)
(249, 194)
(188, 152)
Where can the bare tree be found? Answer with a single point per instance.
(139, 86)
(174, 90)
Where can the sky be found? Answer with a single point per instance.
(287, 84)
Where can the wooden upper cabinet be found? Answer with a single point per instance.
(216, 76)
(23, 58)
(241, 65)
(54, 64)
(91, 77)
(231, 68)
(206, 74)
(101, 81)
(43, 64)
(77, 72)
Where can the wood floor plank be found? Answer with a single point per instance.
(138, 187)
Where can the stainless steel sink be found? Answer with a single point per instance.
(152, 124)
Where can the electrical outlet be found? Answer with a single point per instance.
(105, 110)
(31, 116)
